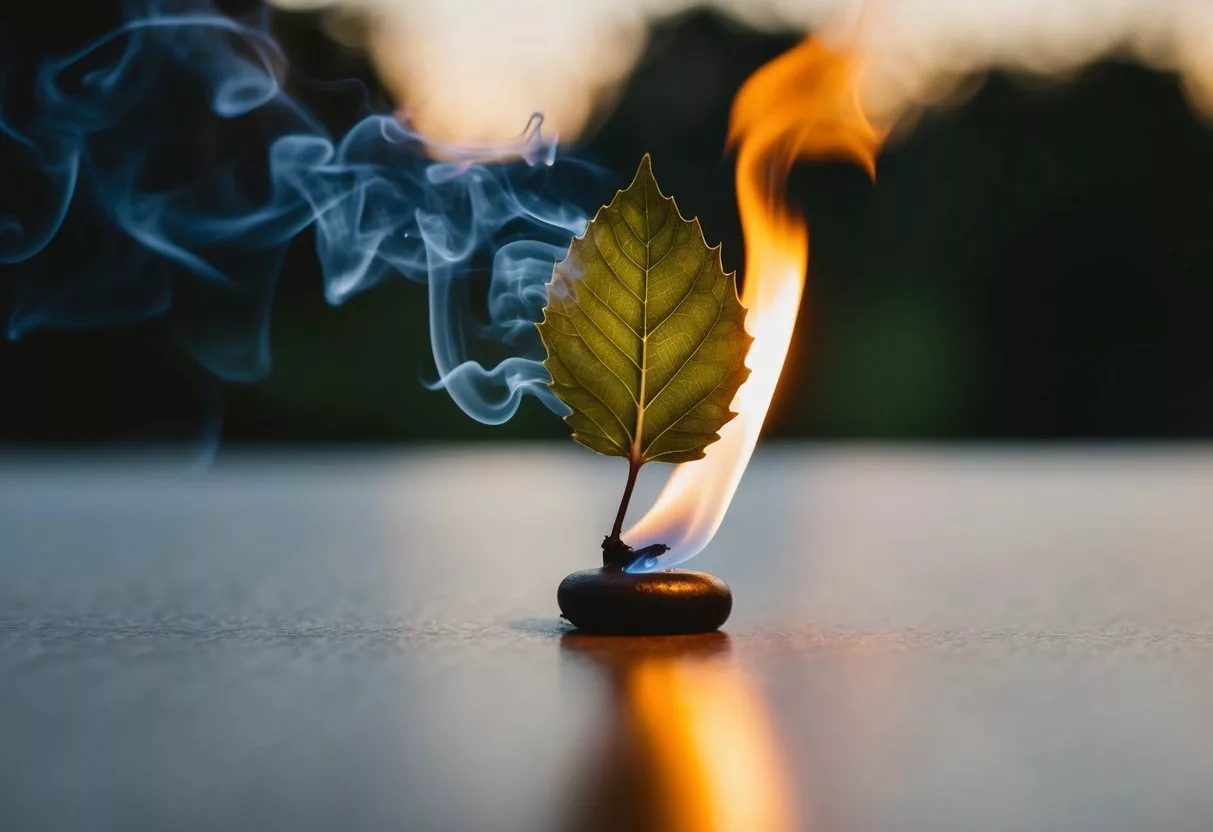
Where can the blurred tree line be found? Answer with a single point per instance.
(1032, 264)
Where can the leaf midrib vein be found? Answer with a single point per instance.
(637, 451)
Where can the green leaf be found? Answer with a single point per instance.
(645, 335)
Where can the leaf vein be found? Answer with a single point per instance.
(689, 358)
(599, 358)
(688, 412)
(677, 306)
(618, 242)
(618, 277)
(611, 309)
(602, 402)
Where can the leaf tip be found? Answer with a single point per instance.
(644, 174)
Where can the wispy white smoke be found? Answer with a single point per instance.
(471, 70)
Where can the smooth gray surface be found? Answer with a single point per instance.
(1006, 639)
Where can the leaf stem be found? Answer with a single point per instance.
(614, 551)
(633, 470)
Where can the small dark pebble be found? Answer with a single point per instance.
(613, 602)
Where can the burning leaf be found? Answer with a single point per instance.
(645, 336)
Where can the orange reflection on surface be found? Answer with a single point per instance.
(712, 748)
(690, 748)
(802, 105)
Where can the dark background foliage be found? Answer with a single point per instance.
(1031, 264)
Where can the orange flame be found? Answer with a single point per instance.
(802, 105)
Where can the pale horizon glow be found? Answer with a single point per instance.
(471, 71)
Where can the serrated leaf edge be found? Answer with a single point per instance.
(632, 454)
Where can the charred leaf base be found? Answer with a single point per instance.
(610, 601)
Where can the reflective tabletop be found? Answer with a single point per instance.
(1002, 638)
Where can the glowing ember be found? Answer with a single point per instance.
(802, 105)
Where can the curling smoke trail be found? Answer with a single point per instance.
(198, 219)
